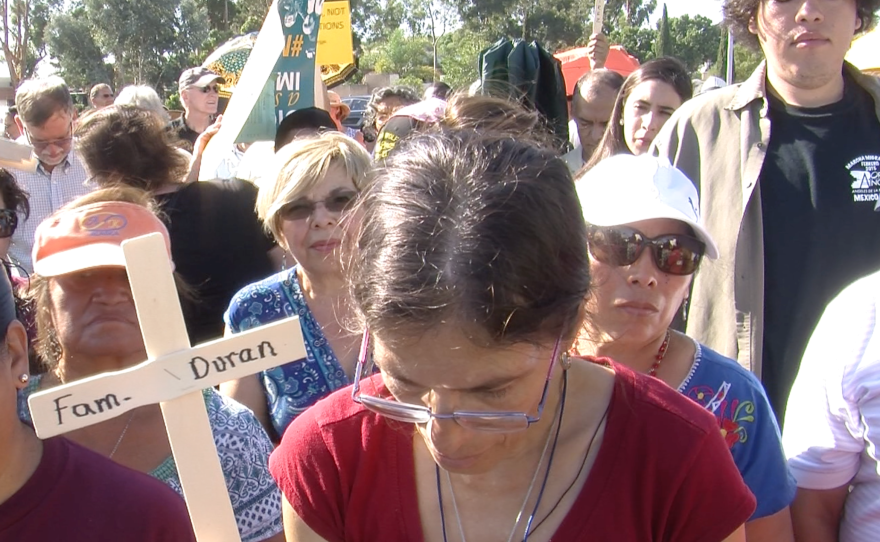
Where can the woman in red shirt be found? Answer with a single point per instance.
(469, 279)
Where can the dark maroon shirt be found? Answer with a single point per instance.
(76, 495)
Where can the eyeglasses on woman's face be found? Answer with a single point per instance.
(491, 422)
(621, 246)
(338, 202)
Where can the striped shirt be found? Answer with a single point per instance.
(832, 424)
(47, 192)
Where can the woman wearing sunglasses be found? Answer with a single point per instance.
(13, 202)
(645, 243)
(468, 276)
(302, 202)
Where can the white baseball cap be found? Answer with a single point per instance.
(624, 189)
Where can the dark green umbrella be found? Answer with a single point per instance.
(528, 73)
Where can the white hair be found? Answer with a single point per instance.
(144, 97)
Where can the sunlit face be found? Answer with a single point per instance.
(53, 139)
(636, 303)
(94, 315)
(591, 111)
(646, 110)
(315, 241)
(202, 100)
(103, 97)
(447, 372)
(11, 130)
(805, 41)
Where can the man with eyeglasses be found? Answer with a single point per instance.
(10, 129)
(101, 96)
(200, 94)
(45, 118)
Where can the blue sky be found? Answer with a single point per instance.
(677, 8)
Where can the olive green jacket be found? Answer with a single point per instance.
(719, 140)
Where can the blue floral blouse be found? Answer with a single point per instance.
(737, 399)
(244, 450)
(298, 384)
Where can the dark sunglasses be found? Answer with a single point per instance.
(8, 223)
(209, 88)
(302, 208)
(620, 246)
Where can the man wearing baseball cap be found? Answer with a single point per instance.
(200, 94)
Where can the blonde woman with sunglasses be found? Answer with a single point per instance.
(645, 243)
(303, 202)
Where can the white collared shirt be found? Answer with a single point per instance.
(832, 423)
(47, 192)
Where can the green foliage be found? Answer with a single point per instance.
(173, 103)
(637, 41)
(664, 45)
(745, 60)
(82, 62)
(629, 12)
(137, 35)
(458, 53)
(23, 34)
(221, 14)
(373, 21)
(249, 16)
(556, 24)
(719, 68)
(149, 42)
(694, 41)
(408, 56)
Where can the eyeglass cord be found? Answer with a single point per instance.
(580, 470)
(531, 486)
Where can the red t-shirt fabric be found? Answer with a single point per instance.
(76, 495)
(663, 472)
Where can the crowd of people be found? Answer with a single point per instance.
(664, 328)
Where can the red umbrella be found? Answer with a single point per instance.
(575, 63)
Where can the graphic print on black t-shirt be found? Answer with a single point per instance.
(819, 187)
(865, 170)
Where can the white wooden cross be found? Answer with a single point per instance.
(173, 376)
(598, 16)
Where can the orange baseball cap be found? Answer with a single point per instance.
(91, 236)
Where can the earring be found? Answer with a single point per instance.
(24, 378)
(566, 361)
(284, 261)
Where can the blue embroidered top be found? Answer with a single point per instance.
(298, 384)
(737, 398)
(244, 450)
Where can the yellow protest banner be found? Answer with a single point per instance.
(334, 36)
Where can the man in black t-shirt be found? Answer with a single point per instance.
(788, 165)
(200, 95)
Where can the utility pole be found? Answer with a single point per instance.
(731, 73)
